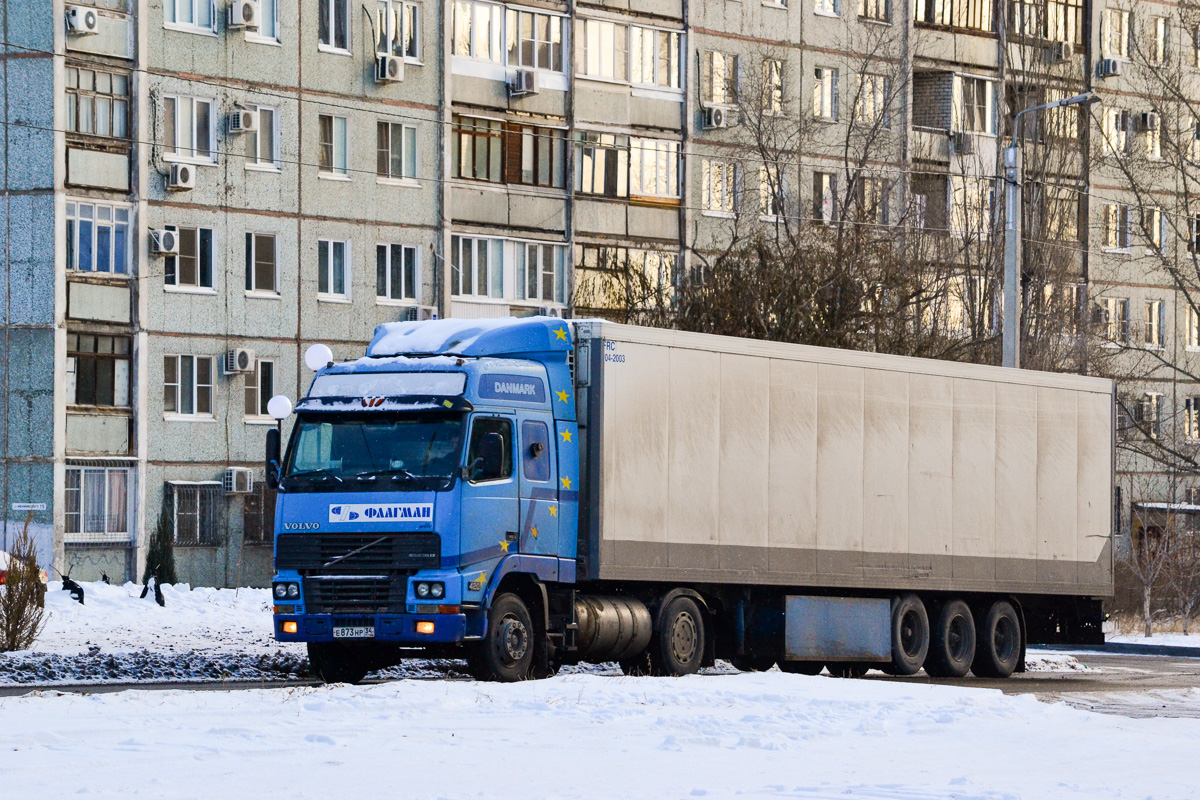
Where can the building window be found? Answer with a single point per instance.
(396, 151)
(333, 269)
(871, 106)
(97, 102)
(1115, 131)
(1152, 133)
(98, 237)
(654, 168)
(1193, 326)
(1061, 122)
(268, 29)
(1061, 214)
(825, 197)
(96, 504)
(477, 149)
(770, 191)
(541, 271)
(830, 7)
(262, 146)
(1114, 33)
(535, 156)
(602, 164)
(971, 207)
(718, 185)
(198, 14)
(188, 385)
(772, 86)
(871, 197)
(1154, 225)
(477, 31)
(395, 272)
(98, 370)
(968, 14)
(973, 105)
(188, 130)
(258, 515)
(193, 267)
(1115, 234)
(1152, 335)
(1158, 40)
(878, 10)
(601, 50)
(535, 41)
(194, 511)
(652, 272)
(1116, 319)
(1027, 18)
(398, 27)
(825, 93)
(260, 388)
(1191, 419)
(476, 266)
(261, 275)
(1064, 20)
(333, 24)
(1148, 414)
(721, 77)
(332, 132)
(654, 57)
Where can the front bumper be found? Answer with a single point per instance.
(401, 628)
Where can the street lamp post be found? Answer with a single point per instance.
(1012, 231)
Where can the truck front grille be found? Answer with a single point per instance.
(365, 595)
(350, 553)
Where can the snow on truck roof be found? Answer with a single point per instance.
(471, 337)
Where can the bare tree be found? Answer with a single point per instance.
(1183, 570)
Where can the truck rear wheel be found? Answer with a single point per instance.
(998, 645)
(910, 635)
(337, 663)
(952, 645)
(678, 645)
(507, 650)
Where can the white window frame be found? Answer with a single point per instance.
(1153, 332)
(1114, 131)
(825, 94)
(172, 104)
(171, 9)
(722, 63)
(772, 101)
(268, 31)
(340, 131)
(654, 168)
(960, 107)
(557, 274)
(1116, 325)
(1153, 137)
(719, 187)
(408, 145)
(331, 46)
(1191, 419)
(386, 20)
(1193, 328)
(827, 8)
(770, 192)
(494, 12)
(389, 250)
(251, 255)
(196, 288)
(644, 47)
(825, 197)
(115, 212)
(512, 35)
(872, 102)
(493, 247)
(80, 492)
(196, 386)
(1155, 223)
(255, 140)
(595, 50)
(1114, 43)
(325, 269)
(254, 384)
(1115, 227)
(875, 11)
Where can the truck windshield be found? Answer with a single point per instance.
(385, 452)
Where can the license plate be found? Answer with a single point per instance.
(363, 632)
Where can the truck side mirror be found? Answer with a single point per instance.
(491, 451)
(273, 458)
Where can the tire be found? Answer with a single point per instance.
(752, 662)
(998, 642)
(952, 645)
(847, 669)
(910, 635)
(801, 667)
(678, 644)
(507, 650)
(335, 663)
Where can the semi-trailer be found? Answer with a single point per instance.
(529, 493)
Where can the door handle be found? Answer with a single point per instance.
(511, 536)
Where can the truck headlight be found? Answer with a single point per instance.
(422, 590)
(287, 591)
(426, 589)
(437, 590)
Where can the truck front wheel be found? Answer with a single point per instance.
(336, 663)
(507, 650)
(678, 647)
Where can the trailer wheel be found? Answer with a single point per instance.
(506, 652)
(334, 663)
(678, 645)
(802, 667)
(952, 646)
(847, 669)
(910, 635)
(998, 642)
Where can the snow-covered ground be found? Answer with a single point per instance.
(1161, 639)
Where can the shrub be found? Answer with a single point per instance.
(23, 596)
(160, 558)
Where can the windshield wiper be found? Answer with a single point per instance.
(396, 472)
(312, 473)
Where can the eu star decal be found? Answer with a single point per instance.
(561, 334)
(533, 531)
(554, 511)
(563, 396)
(504, 545)
(566, 483)
(566, 436)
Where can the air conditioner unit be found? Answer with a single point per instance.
(242, 121)
(524, 82)
(1109, 68)
(1148, 121)
(164, 242)
(244, 14)
(717, 117)
(238, 480)
(964, 143)
(419, 313)
(182, 177)
(82, 21)
(239, 360)
(389, 69)
(550, 311)
(1060, 52)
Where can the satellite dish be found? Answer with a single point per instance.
(279, 407)
(318, 357)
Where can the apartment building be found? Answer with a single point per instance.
(196, 190)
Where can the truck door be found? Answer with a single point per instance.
(490, 519)
(539, 497)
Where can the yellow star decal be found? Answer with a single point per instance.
(554, 511)
(561, 333)
(562, 395)
(566, 436)
(504, 545)
(533, 531)
(566, 482)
